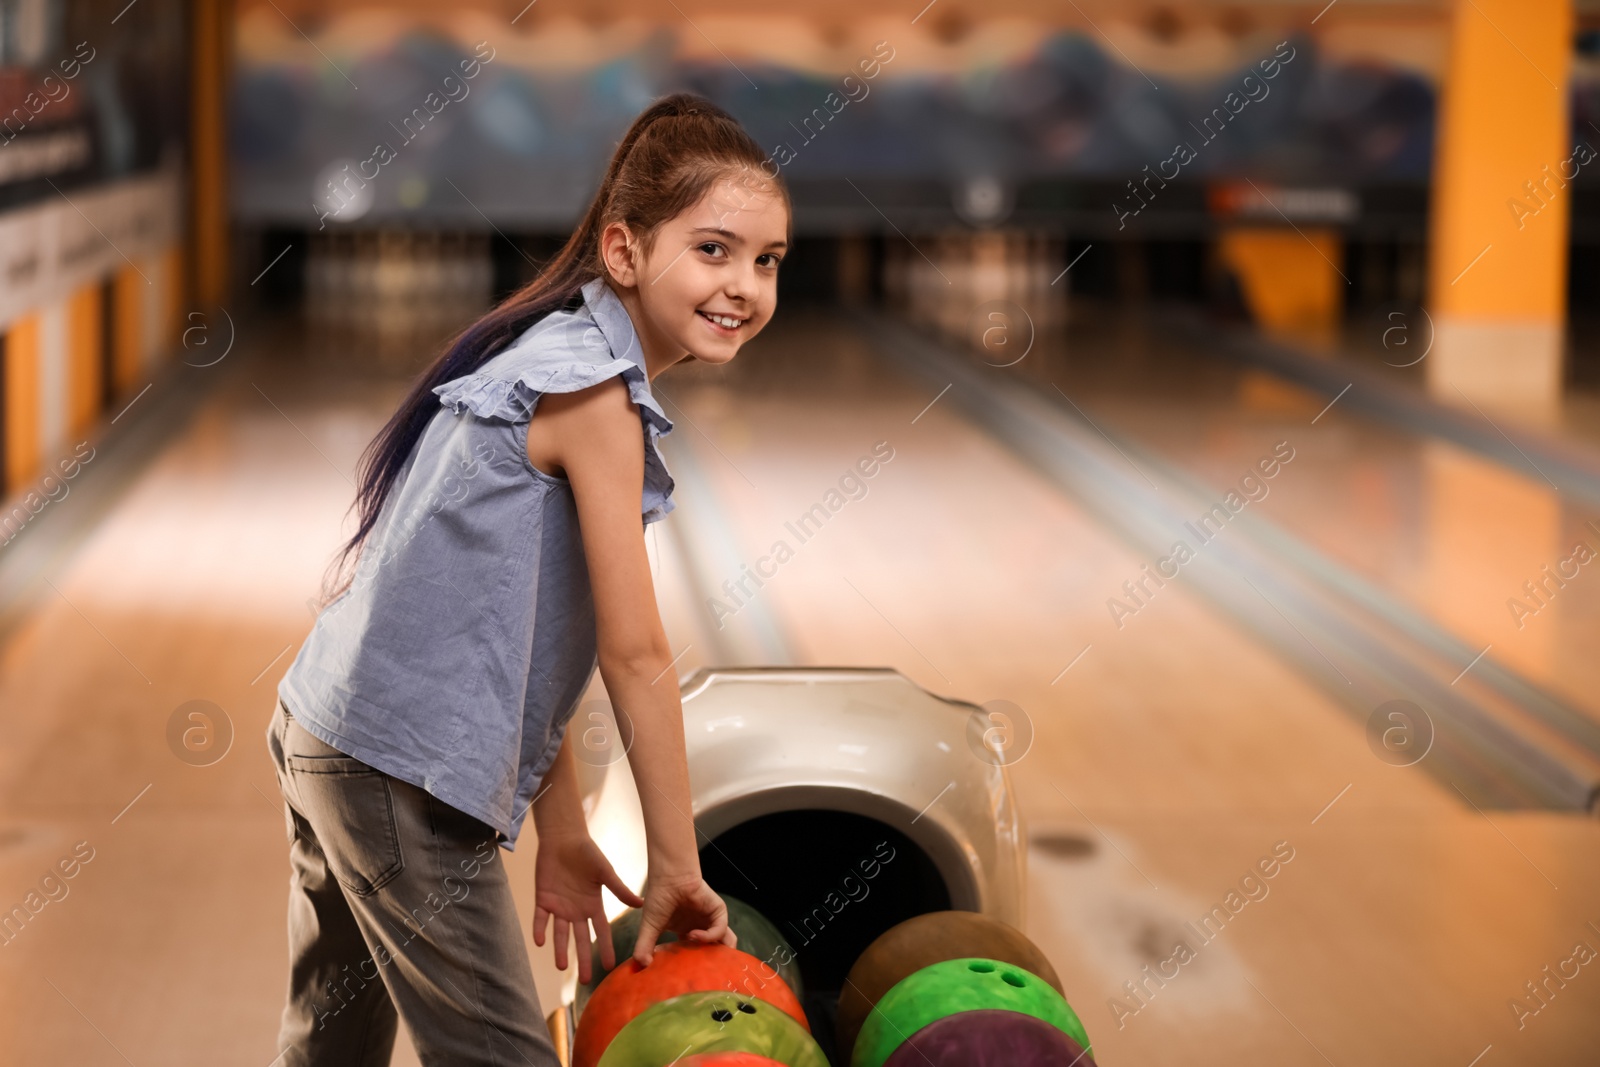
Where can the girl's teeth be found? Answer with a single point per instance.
(723, 320)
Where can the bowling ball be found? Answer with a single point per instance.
(726, 1059)
(989, 1037)
(755, 931)
(698, 1023)
(958, 986)
(923, 940)
(677, 968)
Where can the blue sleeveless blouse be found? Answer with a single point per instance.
(467, 637)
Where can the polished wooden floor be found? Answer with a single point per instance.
(1167, 761)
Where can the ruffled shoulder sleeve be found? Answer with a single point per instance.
(512, 394)
(507, 388)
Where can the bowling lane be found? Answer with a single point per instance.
(1167, 760)
(1475, 547)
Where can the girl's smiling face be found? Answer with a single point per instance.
(709, 281)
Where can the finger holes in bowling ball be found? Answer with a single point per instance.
(981, 967)
(721, 1015)
(1013, 978)
(747, 1009)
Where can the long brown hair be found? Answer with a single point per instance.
(670, 158)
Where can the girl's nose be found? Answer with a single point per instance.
(742, 284)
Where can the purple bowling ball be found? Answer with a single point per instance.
(989, 1037)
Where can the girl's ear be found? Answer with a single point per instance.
(617, 252)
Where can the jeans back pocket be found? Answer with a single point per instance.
(350, 806)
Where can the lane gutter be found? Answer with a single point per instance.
(1572, 470)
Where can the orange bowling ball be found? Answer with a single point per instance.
(678, 967)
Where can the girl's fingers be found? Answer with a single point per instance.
(580, 938)
(620, 890)
(645, 945)
(716, 930)
(541, 919)
(602, 930)
(561, 943)
(710, 936)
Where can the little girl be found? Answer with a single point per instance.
(500, 558)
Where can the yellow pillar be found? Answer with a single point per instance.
(172, 318)
(1497, 263)
(211, 47)
(85, 373)
(21, 422)
(128, 328)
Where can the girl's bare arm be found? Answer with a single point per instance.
(558, 805)
(600, 444)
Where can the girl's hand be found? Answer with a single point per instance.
(687, 907)
(569, 872)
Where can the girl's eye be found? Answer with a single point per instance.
(712, 245)
(773, 259)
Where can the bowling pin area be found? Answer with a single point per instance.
(1064, 679)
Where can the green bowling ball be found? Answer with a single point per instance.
(953, 986)
(755, 931)
(694, 1023)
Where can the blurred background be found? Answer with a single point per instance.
(1309, 289)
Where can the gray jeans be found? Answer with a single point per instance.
(398, 906)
